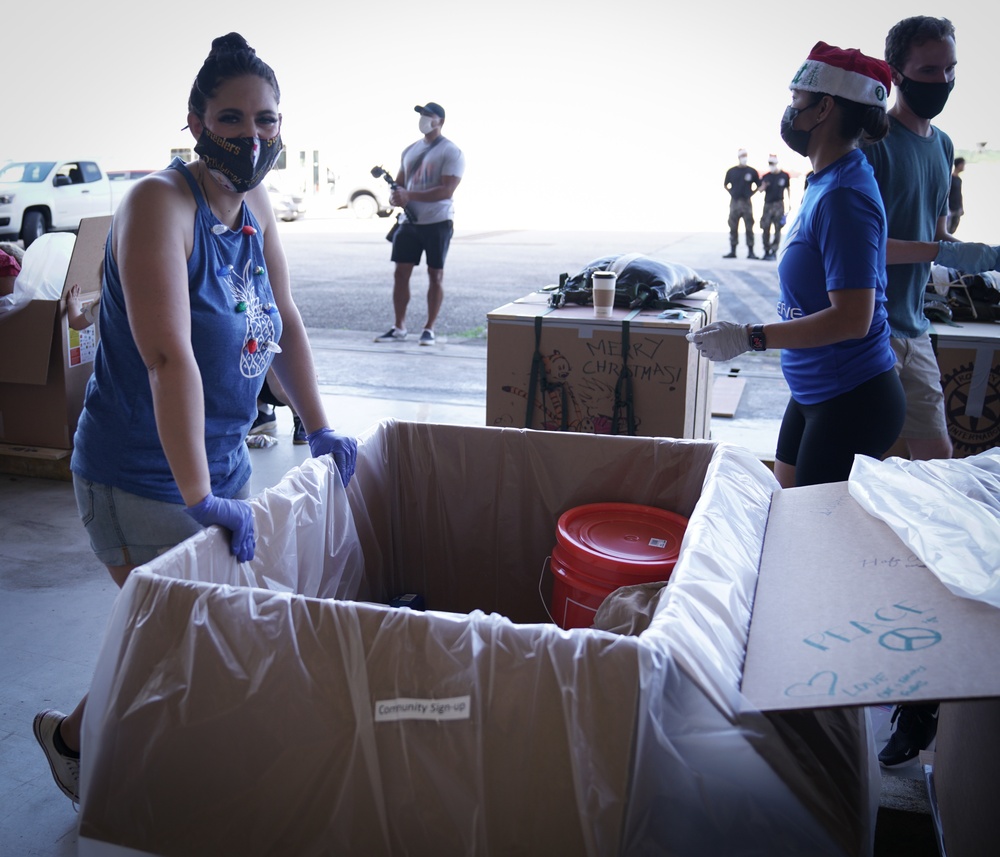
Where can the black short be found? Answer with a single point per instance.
(412, 239)
(821, 440)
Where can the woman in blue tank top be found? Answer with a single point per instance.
(195, 308)
(846, 398)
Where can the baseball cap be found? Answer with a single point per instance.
(431, 107)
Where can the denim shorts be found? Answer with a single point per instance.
(128, 530)
(920, 374)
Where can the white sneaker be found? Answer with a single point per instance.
(427, 337)
(393, 334)
(65, 769)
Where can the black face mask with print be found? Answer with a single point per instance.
(926, 99)
(239, 163)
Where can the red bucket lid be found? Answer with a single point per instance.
(622, 537)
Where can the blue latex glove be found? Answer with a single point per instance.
(235, 515)
(721, 340)
(326, 441)
(967, 256)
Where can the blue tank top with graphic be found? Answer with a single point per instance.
(234, 323)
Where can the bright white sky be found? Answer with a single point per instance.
(618, 114)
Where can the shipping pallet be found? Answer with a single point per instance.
(38, 461)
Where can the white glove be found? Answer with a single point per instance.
(967, 256)
(721, 340)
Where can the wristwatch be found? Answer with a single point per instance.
(757, 340)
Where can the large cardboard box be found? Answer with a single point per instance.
(44, 364)
(251, 709)
(969, 358)
(582, 358)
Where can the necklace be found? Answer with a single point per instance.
(246, 282)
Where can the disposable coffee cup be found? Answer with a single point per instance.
(603, 288)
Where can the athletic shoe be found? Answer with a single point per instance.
(265, 423)
(65, 769)
(298, 431)
(915, 730)
(393, 334)
(427, 337)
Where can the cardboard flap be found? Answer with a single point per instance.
(86, 265)
(846, 615)
(26, 342)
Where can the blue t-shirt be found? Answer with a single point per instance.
(914, 177)
(836, 242)
(233, 318)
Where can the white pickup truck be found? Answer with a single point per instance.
(53, 196)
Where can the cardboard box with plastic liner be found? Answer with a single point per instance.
(45, 364)
(282, 706)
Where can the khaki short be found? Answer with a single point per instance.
(921, 378)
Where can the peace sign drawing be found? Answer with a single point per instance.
(909, 639)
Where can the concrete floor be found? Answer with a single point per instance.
(55, 598)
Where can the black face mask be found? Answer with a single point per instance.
(926, 99)
(238, 163)
(796, 140)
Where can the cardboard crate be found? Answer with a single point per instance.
(969, 358)
(230, 699)
(671, 382)
(44, 364)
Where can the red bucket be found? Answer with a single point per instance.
(602, 546)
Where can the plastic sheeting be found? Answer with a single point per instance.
(946, 510)
(43, 271)
(252, 710)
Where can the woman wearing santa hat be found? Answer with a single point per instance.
(846, 398)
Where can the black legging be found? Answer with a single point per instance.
(820, 441)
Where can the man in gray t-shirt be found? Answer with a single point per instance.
(430, 170)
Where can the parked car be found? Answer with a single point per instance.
(287, 205)
(51, 196)
(363, 194)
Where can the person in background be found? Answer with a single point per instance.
(81, 315)
(742, 182)
(846, 398)
(273, 396)
(195, 300)
(913, 165)
(956, 208)
(430, 171)
(775, 185)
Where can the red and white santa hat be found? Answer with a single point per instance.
(845, 72)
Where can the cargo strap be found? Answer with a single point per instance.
(539, 380)
(624, 401)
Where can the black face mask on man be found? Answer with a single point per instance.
(238, 163)
(926, 99)
(796, 140)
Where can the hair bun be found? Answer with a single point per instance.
(230, 43)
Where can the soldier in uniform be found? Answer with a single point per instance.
(774, 186)
(741, 182)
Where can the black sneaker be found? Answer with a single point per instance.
(266, 422)
(298, 431)
(914, 732)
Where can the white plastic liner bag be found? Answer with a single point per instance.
(43, 271)
(251, 709)
(946, 510)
